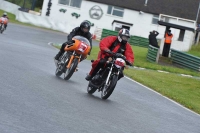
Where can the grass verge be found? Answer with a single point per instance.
(195, 50)
(183, 90)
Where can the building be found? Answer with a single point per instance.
(139, 16)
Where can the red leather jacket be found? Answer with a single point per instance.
(106, 43)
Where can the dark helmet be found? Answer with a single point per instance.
(123, 36)
(85, 26)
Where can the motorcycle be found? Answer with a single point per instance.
(106, 79)
(3, 22)
(75, 51)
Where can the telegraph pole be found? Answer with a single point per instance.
(24, 3)
(33, 4)
(198, 13)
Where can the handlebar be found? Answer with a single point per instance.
(70, 43)
(117, 55)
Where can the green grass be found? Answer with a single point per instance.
(184, 90)
(195, 50)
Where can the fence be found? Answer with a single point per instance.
(185, 60)
(153, 54)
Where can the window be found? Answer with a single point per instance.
(73, 3)
(117, 28)
(155, 19)
(181, 35)
(125, 27)
(116, 11)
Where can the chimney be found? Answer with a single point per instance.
(146, 1)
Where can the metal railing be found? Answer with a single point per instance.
(153, 54)
(185, 60)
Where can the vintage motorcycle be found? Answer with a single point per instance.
(3, 22)
(74, 53)
(106, 79)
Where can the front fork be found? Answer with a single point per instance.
(108, 77)
(71, 59)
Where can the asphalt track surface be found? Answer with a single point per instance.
(34, 100)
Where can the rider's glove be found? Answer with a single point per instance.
(108, 51)
(70, 42)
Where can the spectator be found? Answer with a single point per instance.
(167, 45)
(152, 39)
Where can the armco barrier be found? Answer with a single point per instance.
(134, 40)
(185, 60)
(153, 54)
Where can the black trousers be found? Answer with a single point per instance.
(5, 26)
(166, 49)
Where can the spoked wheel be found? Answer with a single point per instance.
(108, 89)
(104, 92)
(71, 70)
(63, 61)
(91, 89)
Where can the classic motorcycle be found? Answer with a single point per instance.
(74, 52)
(106, 79)
(3, 21)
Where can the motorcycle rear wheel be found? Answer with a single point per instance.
(91, 89)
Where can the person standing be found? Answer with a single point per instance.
(152, 39)
(167, 45)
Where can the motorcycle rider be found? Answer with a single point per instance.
(116, 44)
(5, 16)
(83, 30)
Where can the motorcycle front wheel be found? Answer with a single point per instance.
(108, 89)
(71, 70)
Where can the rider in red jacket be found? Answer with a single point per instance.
(116, 44)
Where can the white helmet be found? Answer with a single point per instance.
(5, 14)
(123, 36)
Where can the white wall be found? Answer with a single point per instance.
(41, 21)
(8, 7)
